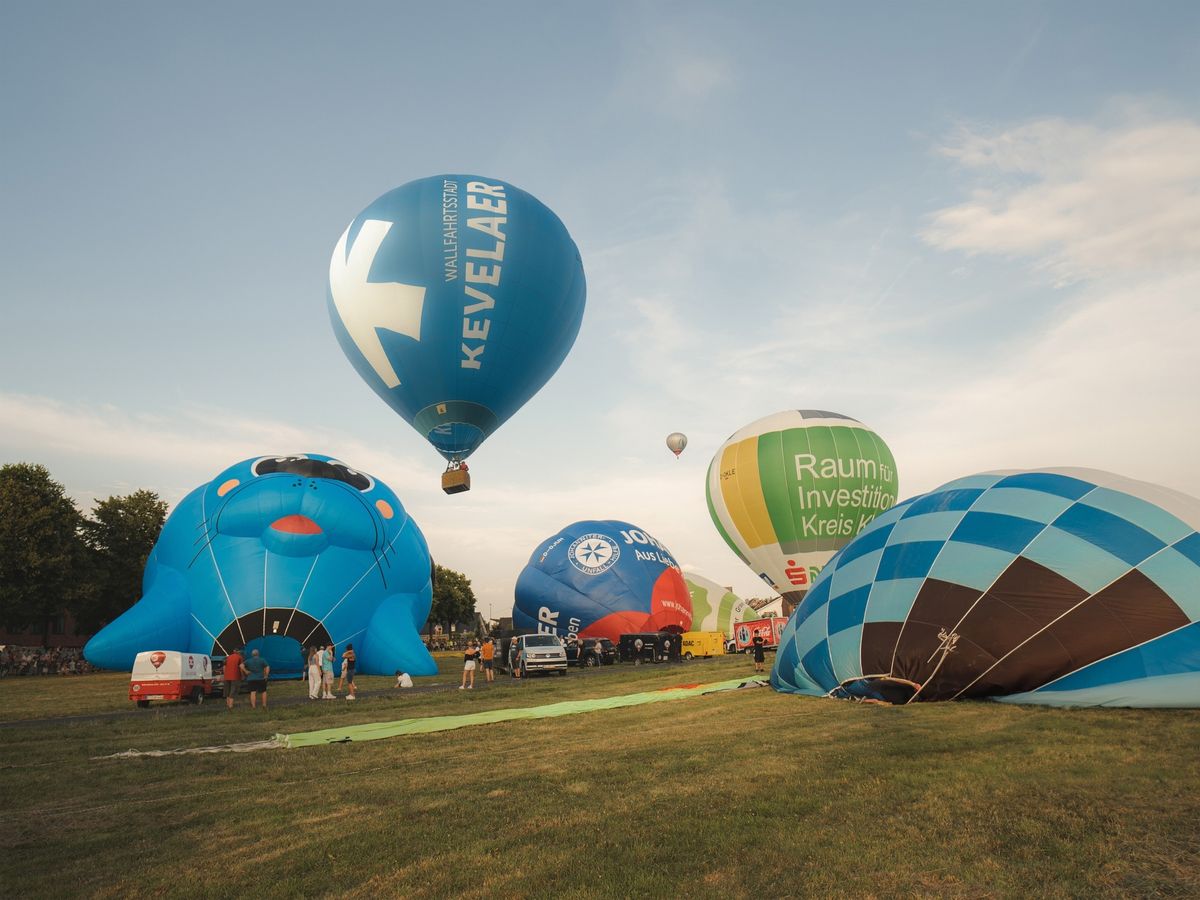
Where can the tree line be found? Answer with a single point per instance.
(56, 561)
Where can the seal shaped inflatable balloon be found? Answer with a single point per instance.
(279, 553)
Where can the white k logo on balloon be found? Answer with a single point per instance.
(365, 306)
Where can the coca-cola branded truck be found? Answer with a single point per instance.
(770, 629)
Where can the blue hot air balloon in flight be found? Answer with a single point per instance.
(456, 298)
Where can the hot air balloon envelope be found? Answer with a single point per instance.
(1050, 586)
(456, 298)
(602, 579)
(676, 443)
(715, 608)
(788, 491)
(279, 553)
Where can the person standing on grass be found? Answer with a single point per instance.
(759, 656)
(470, 658)
(488, 653)
(637, 651)
(232, 677)
(314, 673)
(348, 663)
(327, 673)
(256, 671)
(514, 658)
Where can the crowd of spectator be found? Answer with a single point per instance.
(43, 661)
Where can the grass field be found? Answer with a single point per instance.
(744, 794)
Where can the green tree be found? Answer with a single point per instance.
(120, 535)
(43, 565)
(453, 598)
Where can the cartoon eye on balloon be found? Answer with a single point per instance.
(456, 298)
(676, 442)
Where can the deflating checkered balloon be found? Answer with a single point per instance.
(1052, 586)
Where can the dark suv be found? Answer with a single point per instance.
(591, 652)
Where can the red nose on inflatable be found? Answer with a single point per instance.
(296, 525)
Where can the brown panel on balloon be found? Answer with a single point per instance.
(1024, 599)
(963, 662)
(928, 628)
(878, 642)
(1130, 611)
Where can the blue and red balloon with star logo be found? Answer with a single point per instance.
(602, 579)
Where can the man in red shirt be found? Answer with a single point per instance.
(233, 676)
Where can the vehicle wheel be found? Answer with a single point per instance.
(197, 695)
(143, 704)
(688, 655)
(562, 671)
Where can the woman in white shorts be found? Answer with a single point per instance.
(469, 662)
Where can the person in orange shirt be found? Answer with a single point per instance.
(233, 676)
(488, 653)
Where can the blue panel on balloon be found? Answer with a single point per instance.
(280, 553)
(819, 666)
(1172, 654)
(847, 610)
(1119, 537)
(908, 560)
(943, 501)
(865, 543)
(1007, 533)
(814, 599)
(456, 298)
(1048, 483)
(601, 579)
(1190, 547)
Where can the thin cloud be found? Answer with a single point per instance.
(1078, 200)
(1108, 379)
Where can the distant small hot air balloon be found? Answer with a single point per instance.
(676, 442)
(456, 298)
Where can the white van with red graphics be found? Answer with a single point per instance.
(170, 675)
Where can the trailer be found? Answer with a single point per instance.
(171, 675)
(770, 629)
(702, 644)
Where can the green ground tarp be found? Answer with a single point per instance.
(373, 731)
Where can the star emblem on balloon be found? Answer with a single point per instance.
(594, 552)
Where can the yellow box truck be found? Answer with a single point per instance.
(702, 643)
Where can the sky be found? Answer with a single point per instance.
(973, 227)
